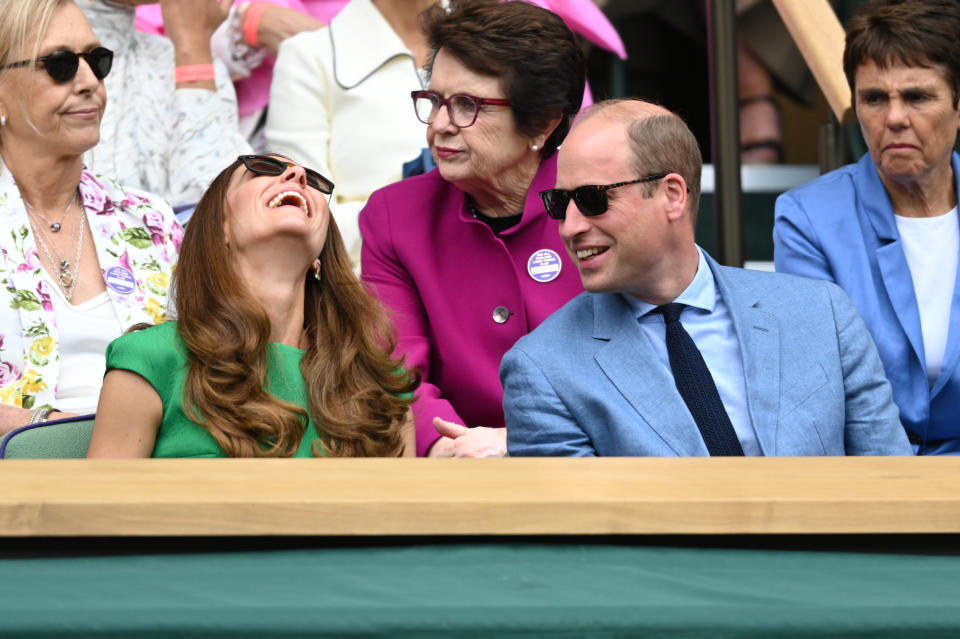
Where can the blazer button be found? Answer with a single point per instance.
(501, 314)
(914, 438)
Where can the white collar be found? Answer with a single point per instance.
(357, 58)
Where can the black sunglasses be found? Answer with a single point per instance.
(62, 65)
(268, 165)
(591, 199)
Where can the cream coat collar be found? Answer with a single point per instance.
(357, 58)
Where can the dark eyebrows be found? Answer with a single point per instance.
(871, 92)
(921, 92)
(912, 92)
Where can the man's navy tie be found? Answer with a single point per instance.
(696, 386)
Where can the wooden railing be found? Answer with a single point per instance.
(489, 497)
(818, 34)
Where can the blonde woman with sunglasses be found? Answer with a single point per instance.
(81, 257)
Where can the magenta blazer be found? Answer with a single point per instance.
(460, 295)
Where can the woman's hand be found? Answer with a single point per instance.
(12, 417)
(279, 23)
(460, 441)
(190, 25)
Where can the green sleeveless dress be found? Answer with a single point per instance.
(159, 355)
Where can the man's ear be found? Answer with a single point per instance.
(676, 194)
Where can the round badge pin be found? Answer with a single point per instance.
(544, 265)
(121, 280)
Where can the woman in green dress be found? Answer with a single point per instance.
(276, 352)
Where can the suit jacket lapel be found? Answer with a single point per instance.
(891, 259)
(633, 367)
(759, 335)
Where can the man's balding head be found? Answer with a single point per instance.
(659, 141)
(636, 169)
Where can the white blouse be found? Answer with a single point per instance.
(930, 245)
(85, 332)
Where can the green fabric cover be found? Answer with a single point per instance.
(483, 590)
(159, 355)
(64, 440)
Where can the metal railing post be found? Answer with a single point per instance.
(725, 130)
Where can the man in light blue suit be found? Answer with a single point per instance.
(757, 364)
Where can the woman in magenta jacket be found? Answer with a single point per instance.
(465, 256)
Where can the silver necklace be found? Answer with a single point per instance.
(67, 275)
(54, 226)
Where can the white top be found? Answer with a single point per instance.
(931, 245)
(85, 332)
(156, 137)
(340, 104)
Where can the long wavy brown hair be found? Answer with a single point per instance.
(352, 381)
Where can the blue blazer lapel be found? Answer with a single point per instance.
(891, 259)
(759, 335)
(632, 366)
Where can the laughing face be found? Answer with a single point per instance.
(279, 211)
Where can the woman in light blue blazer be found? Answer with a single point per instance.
(885, 229)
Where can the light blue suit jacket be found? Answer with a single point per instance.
(588, 382)
(841, 228)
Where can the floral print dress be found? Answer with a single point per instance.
(137, 240)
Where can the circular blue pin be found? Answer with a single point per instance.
(121, 280)
(544, 265)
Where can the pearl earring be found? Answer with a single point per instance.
(316, 270)
(534, 147)
(3, 120)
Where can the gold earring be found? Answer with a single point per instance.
(316, 270)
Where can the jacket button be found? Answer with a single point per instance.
(501, 314)
(914, 438)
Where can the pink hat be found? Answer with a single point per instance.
(586, 18)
